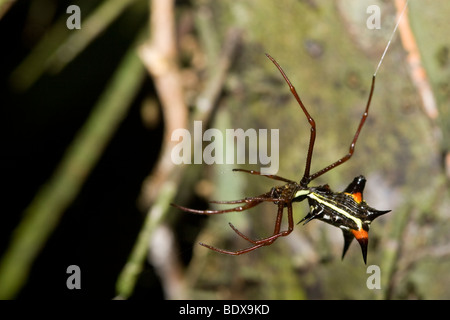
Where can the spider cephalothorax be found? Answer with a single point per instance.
(346, 210)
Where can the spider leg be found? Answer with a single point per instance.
(355, 138)
(247, 206)
(262, 242)
(232, 253)
(243, 236)
(245, 200)
(306, 177)
(249, 203)
(263, 197)
(270, 176)
(276, 232)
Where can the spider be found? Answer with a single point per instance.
(346, 210)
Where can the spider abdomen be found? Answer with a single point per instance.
(346, 210)
(337, 209)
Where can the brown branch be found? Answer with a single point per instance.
(419, 75)
(417, 71)
(160, 58)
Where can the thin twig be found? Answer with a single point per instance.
(132, 269)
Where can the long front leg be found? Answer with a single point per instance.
(270, 176)
(312, 138)
(247, 206)
(355, 138)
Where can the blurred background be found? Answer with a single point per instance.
(87, 117)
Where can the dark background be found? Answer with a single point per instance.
(97, 232)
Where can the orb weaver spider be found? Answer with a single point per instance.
(346, 210)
